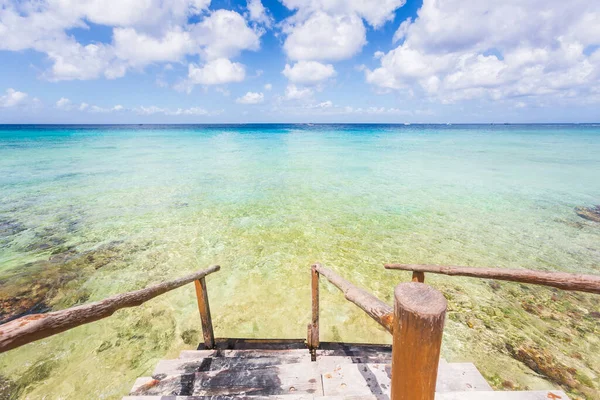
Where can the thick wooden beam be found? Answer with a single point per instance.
(313, 327)
(419, 313)
(204, 308)
(377, 309)
(38, 326)
(560, 280)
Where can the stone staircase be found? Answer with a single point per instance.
(339, 372)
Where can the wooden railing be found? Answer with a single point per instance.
(417, 319)
(416, 323)
(560, 280)
(375, 308)
(417, 368)
(38, 326)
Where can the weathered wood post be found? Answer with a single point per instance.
(418, 276)
(204, 308)
(419, 313)
(313, 327)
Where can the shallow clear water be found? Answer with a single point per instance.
(265, 202)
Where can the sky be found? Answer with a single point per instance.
(238, 61)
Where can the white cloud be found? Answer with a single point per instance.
(326, 37)
(496, 50)
(150, 110)
(64, 104)
(258, 13)
(268, 87)
(224, 34)
(98, 109)
(131, 12)
(140, 49)
(308, 72)
(328, 108)
(332, 30)
(375, 12)
(324, 104)
(216, 72)
(293, 92)
(251, 98)
(402, 30)
(144, 32)
(12, 98)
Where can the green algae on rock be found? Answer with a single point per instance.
(54, 282)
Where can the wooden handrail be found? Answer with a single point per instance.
(375, 308)
(38, 326)
(560, 280)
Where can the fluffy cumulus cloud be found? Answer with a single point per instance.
(332, 30)
(143, 32)
(258, 13)
(323, 31)
(225, 34)
(12, 98)
(496, 50)
(216, 72)
(326, 37)
(375, 12)
(308, 72)
(251, 98)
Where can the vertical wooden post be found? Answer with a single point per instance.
(418, 276)
(313, 327)
(419, 313)
(203, 307)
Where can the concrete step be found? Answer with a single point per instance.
(300, 378)
(342, 379)
(378, 354)
(487, 395)
(192, 365)
(334, 376)
(460, 377)
(197, 354)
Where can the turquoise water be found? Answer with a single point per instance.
(87, 212)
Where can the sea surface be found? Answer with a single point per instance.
(87, 212)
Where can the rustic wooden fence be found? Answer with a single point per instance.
(38, 326)
(417, 319)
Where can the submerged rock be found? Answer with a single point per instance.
(39, 286)
(46, 244)
(543, 362)
(10, 227)
(589, 213)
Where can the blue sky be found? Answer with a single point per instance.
(202, 61)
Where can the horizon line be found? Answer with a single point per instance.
(297, 123)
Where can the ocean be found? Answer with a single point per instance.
(87, 212)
